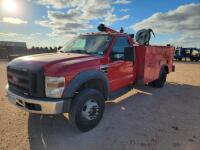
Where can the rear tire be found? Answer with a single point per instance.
(160, 82)
(87, 110)
(179, 59)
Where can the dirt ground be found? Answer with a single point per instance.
(145, 118)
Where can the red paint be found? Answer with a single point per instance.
(150, 60)
(145, 69)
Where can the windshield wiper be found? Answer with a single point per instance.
(78, 51)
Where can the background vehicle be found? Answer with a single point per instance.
(180, 53)
(81, 77)
(194, 54)
(183, 53)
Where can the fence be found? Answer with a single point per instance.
(7, 52)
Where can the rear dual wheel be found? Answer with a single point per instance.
(194, 59)
(160, 82)
(87, 110)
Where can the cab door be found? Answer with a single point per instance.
(120, 72)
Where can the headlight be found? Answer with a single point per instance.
(54, 86)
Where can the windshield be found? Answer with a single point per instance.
(88, 44)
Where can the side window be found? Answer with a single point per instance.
(118, 48)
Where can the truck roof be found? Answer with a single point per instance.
(106, 33)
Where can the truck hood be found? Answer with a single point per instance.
(51, 62)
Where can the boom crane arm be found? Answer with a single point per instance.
(103, 28)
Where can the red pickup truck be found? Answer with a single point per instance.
(82, 75)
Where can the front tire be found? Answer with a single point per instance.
(86, 110)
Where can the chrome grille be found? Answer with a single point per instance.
(18, 80)
(25, 81)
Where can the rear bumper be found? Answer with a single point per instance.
(38, 105)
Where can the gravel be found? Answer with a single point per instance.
(144, 118)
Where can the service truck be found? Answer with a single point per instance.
(80, 78)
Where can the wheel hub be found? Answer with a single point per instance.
(90, 110)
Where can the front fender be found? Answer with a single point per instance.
(84, 77)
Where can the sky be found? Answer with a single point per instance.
(54, 22)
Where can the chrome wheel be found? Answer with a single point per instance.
(90, 110)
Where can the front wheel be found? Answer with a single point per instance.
(87, 110)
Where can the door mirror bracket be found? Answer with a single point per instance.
(129, 54)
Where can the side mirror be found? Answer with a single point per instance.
(129, 54)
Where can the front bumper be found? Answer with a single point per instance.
(38, 105)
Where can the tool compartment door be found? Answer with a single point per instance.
(149, 61)
(154, 58)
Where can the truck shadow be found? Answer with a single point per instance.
(150, 108)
